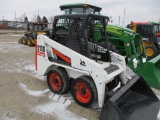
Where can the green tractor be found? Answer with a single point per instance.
(80, 8)
(130, 44)
(126, 42)
(30, 36)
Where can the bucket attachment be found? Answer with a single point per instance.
(134, 101)
(150, 71)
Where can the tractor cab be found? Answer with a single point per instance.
(80, 8)
(156, 29)
(35, 27)
(150, 34)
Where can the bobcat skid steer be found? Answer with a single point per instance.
(72, 61)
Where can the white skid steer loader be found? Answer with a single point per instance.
(72, 60)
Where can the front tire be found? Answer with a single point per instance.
(58, 81)
(151, 51)
(30, 43)
(84, 91)
(24, 40)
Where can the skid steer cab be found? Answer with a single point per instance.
(72, 60)
(33, 29)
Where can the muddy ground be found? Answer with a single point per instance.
(24, 95)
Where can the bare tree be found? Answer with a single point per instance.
(34, 18)
(50, 19)
(21, 18)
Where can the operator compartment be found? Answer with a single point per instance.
(74, 32)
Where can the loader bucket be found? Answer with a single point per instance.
(134, 101)
(150, 71)
(20, 41)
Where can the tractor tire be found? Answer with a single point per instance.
(24, 40)
(58, 81)
(29, 42)
(151, 51)
(84, 91)
(20, 41)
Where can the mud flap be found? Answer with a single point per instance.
(134, 101)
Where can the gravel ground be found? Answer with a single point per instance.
(25, 95)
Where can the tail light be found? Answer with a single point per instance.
(158, 34)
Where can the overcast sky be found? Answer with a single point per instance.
(135, 10)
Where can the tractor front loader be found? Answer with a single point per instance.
(130, 44)
(72, 60)
(30, 36)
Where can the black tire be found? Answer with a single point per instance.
(84, 99)
(24, 40)
(20, 41)
(29, 42)
(58, 81)
(151, 51)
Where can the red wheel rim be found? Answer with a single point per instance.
(55, 81)
(83, 94)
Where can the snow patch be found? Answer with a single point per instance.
(31, 92)
(57, 110)
(30, 67)
(56, 107)
(6, 47)
(4, 115)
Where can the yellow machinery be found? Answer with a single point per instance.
(30, 36)
(150, 33)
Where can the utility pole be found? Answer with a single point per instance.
(15, 16)
(119, 20)
(124, 15)
(24, 16)
(3, 18)
(15, 24)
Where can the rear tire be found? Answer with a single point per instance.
(58, 81)
(151, 51)
(84, 91)
(29, 42)
(24, 40)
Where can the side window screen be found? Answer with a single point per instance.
(30, 27)
(145, 30)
